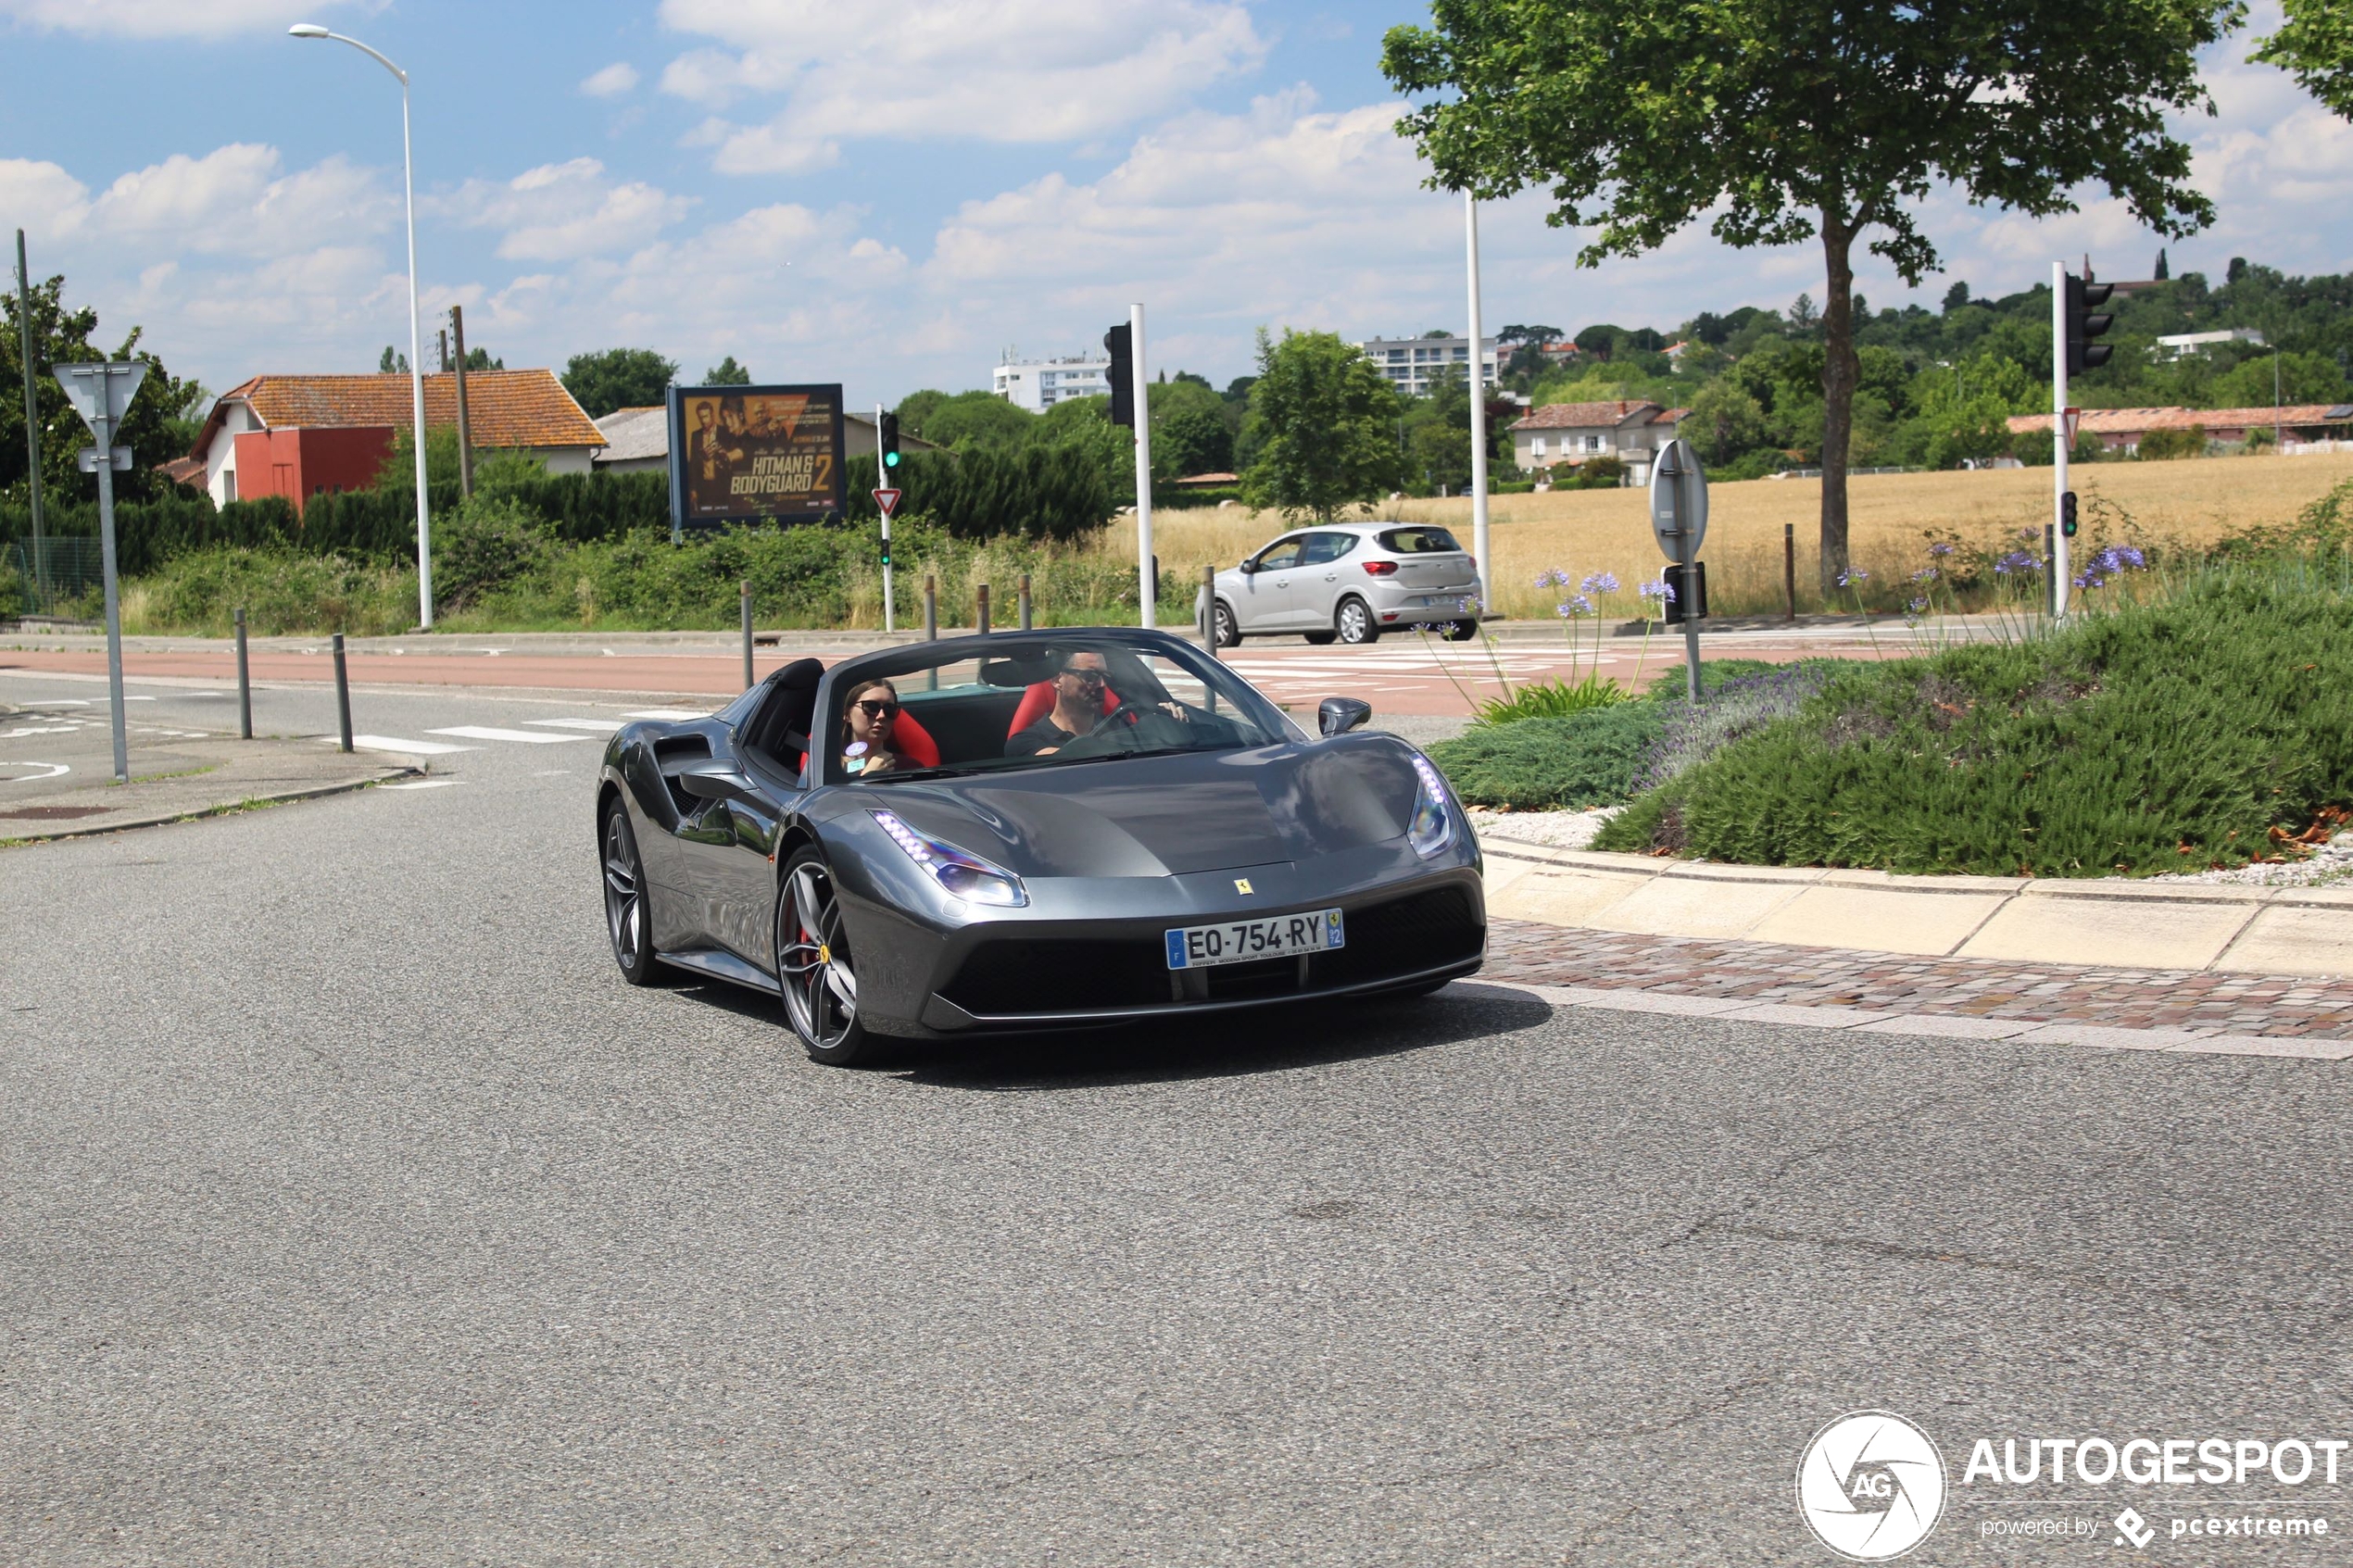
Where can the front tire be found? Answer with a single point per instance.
(1223, 627)
(813, 967)
(627, 920)
(1355, 625)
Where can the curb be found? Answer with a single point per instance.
(2287, 931)
(164, 819)
(2012, 1031)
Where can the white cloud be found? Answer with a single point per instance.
(611, 82)
(562, 211)
(998, 71)
(161, 18)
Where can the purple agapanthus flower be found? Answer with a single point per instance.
(1940, 548)
(1660, 589)
(1573, 607)
(1598, 583)
(1853, 575)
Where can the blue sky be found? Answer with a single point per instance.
(778, 179)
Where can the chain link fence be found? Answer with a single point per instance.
(48, 576)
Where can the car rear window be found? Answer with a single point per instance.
(1417, 541)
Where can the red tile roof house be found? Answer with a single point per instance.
(2120, 430)
(1570, 433)
(299, 437)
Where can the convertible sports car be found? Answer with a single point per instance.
(1031, 831)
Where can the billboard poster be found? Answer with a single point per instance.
(739, 454)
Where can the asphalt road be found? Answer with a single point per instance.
(356, 1212)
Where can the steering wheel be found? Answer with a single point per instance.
(1129, 709)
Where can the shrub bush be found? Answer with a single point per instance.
(2151, 738)
(1583, 761)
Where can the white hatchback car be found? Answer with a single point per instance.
(1349, 583)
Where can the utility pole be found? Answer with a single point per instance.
(465, 425)
(441, 347)
(31, 426)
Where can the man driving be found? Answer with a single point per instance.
(1078, 707)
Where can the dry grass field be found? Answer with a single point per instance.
(2190, 502)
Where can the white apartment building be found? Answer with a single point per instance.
(2182, 344)
(1039, 384)
(1413, 364)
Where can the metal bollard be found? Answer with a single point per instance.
(1024, 601)
(1209, 610)
(343, 692)
(982, 595)
(931, 608)
(1789, 566)
(745, 589)
(245, 684)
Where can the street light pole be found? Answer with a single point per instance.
(1479, 542)
(416, 328)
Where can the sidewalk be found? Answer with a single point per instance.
(2167, 1010)
(65, 787)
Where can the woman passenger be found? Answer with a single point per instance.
(868, 718)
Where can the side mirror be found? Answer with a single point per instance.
(714, 780)
(1248, 567)
(1338, 715)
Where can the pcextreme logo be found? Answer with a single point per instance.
(1871, 1486)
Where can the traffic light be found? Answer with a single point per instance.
(2066, 514)
(887, 443)
(2084, 326)
(1122, 376)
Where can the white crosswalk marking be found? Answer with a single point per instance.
(602, 726)
(487, 732)
(676, 715)
(395, 742)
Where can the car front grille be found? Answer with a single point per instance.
(1013, 976)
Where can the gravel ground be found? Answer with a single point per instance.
(2332, 861)
(1561, 830)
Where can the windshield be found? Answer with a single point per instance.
(1039, 701)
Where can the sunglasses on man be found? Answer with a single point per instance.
(876, 707)
(1086, 677)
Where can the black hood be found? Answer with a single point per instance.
(1158, 816)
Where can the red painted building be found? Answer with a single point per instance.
(300, 463)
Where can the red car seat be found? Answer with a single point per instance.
(1039, 701)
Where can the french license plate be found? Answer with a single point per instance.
(1245, 941)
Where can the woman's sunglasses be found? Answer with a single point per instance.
(878, 709)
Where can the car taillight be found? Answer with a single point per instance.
(1381, 568)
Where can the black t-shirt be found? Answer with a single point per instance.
(1037, 737)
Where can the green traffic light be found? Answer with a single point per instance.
(890, 459)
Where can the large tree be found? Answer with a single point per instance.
(156, 428)
(2316, 43)
(1783, 120)
(1322, 425)
(615, 378)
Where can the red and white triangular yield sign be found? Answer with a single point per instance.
(888, 501)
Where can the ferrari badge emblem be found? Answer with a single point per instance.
(1242, 884)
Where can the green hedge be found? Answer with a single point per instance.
(1046, 492)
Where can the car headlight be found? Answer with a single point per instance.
(1432, 828)
(962, 875)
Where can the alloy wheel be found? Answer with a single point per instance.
(812, 960)
(1355, 622)
(624, 895)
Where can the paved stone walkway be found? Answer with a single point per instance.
(1766, 972)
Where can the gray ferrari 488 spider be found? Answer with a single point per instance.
(1031, 831)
